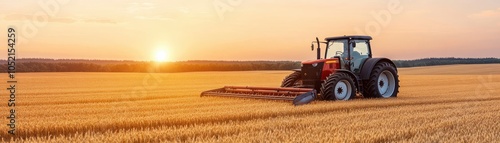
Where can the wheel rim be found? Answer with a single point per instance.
(342, 90)
(386, 84)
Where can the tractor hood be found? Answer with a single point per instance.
(315, 61)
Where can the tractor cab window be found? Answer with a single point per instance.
(337, 48)
(361, 49)
(359, 54)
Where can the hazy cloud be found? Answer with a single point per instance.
(63, 20)
(103, 21)
(15, 17)
(158, 17)
(20, 17)
(487, 14)
(140, 6)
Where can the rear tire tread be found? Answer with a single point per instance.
(370, 86)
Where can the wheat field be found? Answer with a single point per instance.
(458, 103)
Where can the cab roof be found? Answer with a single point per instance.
(357, 37)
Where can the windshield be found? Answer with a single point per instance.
(336, 48)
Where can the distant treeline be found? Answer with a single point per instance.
(68, 65)
(444, 61)
(71, 65)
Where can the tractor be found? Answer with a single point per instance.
(345, 70)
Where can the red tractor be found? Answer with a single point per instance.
(346, 68)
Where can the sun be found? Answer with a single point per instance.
(161, 55)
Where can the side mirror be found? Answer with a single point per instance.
(312, 47)
(353, 44)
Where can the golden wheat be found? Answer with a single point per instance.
(132, 107)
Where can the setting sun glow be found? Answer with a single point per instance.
(161, 55)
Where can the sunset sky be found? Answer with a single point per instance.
(248, 29)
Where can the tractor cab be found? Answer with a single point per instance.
(351, 51)
(342, 53)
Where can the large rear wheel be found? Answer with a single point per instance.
(338, 86)
(292, 80)
(383, 82)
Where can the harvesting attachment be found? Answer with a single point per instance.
(299, 96)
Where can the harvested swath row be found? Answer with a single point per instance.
(308, 127)
(108, 108)
(118, 98)
(105, 97)
(44, 93)
(97, 93)
(205, 116)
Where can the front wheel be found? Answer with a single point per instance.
(383, 82)
(292, 80)
(338, 86)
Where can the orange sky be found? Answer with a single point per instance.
(248, 29)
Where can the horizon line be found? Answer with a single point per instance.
(61, 59)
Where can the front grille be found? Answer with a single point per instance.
(311, 75)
